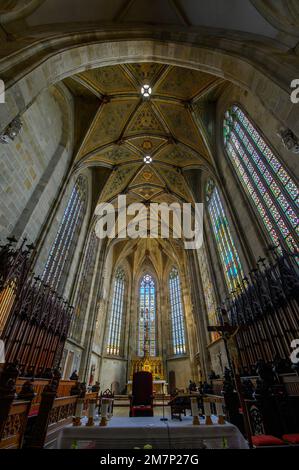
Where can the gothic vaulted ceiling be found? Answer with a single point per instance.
(238, 15)
(174, 127)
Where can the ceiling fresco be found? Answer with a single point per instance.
(174, 126)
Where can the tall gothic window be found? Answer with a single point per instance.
(265, 180)
(177, 315)
(116, 316)
(147, 316)
(228, 253)
(208, 290)
(68, 232)
(84, 286)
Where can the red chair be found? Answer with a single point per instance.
(259, 437)
(291, 438)
(141, 400)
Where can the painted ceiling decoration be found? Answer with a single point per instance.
(173, 127)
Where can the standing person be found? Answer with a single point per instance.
(74, 375)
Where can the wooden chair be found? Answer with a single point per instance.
(141, 400)
(259, 436)
(178, 406)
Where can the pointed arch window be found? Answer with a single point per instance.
(208, 291)
(84, 286)
(176, 313)
(227, 250)
(68, 232)
(116, 316)
(268, 184)
(147, 316)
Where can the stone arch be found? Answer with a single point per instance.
(19, 9)
(226, 58)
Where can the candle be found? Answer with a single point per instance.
(104, 407)
(208, 411)
(79, 409)
(194, 406)
(109, 408)
(91, 408)
(219, 408)
(194, 410)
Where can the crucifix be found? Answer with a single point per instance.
(219, 357)
(228, 333)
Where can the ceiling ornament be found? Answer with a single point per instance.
(148, 144)
(108, 80)
(118, 181)
(175, 181)
(178, 155)
(145, 72)
(146, 192)
(108, 123)
(182, 126)
(184, 85)
(145, 121)
(147, 175)
(146, 91)
(113, 155)
(147, 159)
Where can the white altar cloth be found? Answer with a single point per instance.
(127, 433)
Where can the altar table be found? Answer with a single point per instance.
(158, 386)
(127, 433)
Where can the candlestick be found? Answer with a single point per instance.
(194, 410)
(208, 413)
(78, 412)
(104, 406)
(219, 411)
(91, 410)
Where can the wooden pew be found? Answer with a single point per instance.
(61, 415)
(14, 428)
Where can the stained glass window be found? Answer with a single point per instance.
(116, 316)
(271, 189)
(147, 317)
(68, 231)
(84, 286)
(177, 315)
(227, 251)
(208, 290)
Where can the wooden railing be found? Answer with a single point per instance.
(12, 436)
(64, 388)
(38, 387)
(61, 414)
(291, 383)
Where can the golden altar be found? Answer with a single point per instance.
(153, 364)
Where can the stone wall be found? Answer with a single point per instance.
(32, 166)
(182, 370)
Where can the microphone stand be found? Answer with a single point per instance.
(163, 418)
